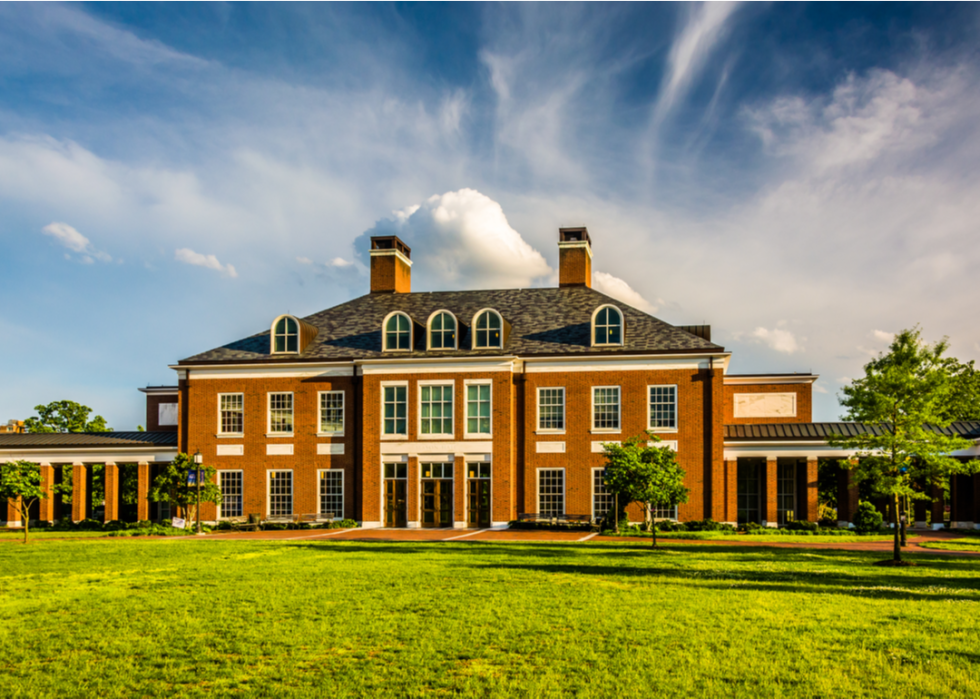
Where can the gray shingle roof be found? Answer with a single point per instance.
(543, 322)
(63, 440)
(810, 431)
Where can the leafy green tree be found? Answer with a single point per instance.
(639, 471)
(172, 485)
(964, 398)
(65, 416)
(904, 393)
(20, 485)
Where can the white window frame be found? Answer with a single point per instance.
(476, 316)
(408, 409)
(655, 518)
(268, 491)
(564, 411)
(428, 332)
(241, 474)
(272, 336)
(343, 491)
(622, 327)
(452, 416)
(222, 434)
(619, 412)
(319, 413)
(466, 408)
(384, 333)
(650, 409)
(268, 413)
(594, 469)
(564, 488)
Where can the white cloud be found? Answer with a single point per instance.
(778, 339)
(460, 240)
(304, 260)
(818, 388)
(883, 336)
(619, 289)
(188, 256)
(75, 241)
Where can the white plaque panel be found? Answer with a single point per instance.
(279, 449)
(748, 405)
(231, 449)
(167, 414)
(329, 449)
(551, 447)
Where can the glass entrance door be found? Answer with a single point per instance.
(748, 488)
(437, 495)
(478, 495)
(396, 495)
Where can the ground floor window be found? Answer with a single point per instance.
(665, 512)
(280, 493)
(786, 492)
(747, 491)
(332, 493)
(602, 499)
(230, 483)
(551, 492)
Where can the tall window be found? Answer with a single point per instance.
(488, 330)
(398, 332)
(663, 407)
(551, 492)
(442, 331)
(280, 493)
(608, 327)
(332, 411)
(281, 413)
(551, 408)
(665, 512)
(478, 408)
(747, 490)
(602, 499)
(605, 408)
(786, 491)
(437, 409)
(230, 483)
(231, 413)
(332, 493)
(286, 335)
(396, 410)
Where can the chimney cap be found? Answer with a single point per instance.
(390, 242)
(579, 234)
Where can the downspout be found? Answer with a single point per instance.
(358, 466)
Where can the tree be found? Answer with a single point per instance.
(173, 485)
(904, 394)
(640, 471)
(65, 416)
(21, 486)
(964, 399)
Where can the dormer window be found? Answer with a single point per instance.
(607, 326)
(398, 332)
(442, 330)
(285, 335)
(488, 330)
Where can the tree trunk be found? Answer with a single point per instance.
(898, 543)
(653, 528)
(904, 521)
(24, 518)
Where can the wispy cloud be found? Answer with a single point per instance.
(76, 242)
(619, 289)
(778, 339)
(189, 257)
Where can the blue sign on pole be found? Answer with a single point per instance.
(192, 477)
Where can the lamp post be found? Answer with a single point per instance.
(198, 460)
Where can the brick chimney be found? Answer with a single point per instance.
(391, 265)
(574, 257)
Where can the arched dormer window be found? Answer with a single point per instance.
(398, 332)
(607, 326)
(488, 330)
(442, 330)
(285, 335)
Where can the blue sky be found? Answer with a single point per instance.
(802, 177)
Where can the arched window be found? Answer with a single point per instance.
(442, 330)
(607, 326)
(285, 335)
(398, 332)
(488, 330)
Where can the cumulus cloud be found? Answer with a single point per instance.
(188, 256)
(883, 336)
(619, 289)
(76, 242)
(462, 240)
(779, 339)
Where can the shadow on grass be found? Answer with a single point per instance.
(857, 578)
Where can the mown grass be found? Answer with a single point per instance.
(971, 545)
(45, 534)
(327, 618)
(768, 538)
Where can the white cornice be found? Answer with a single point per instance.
(737, 380)
(425, 365)
(396, 253)
(285, 370)
(621, 363)
(576, 244)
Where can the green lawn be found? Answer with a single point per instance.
(767, 538)
(45, 534)
(971, 545)
(181, 617)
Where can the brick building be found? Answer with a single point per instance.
(470, 408)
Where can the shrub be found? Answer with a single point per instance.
(867, 519)
(669, 525)
(345, 524)
(801, 526)
(708, 525)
